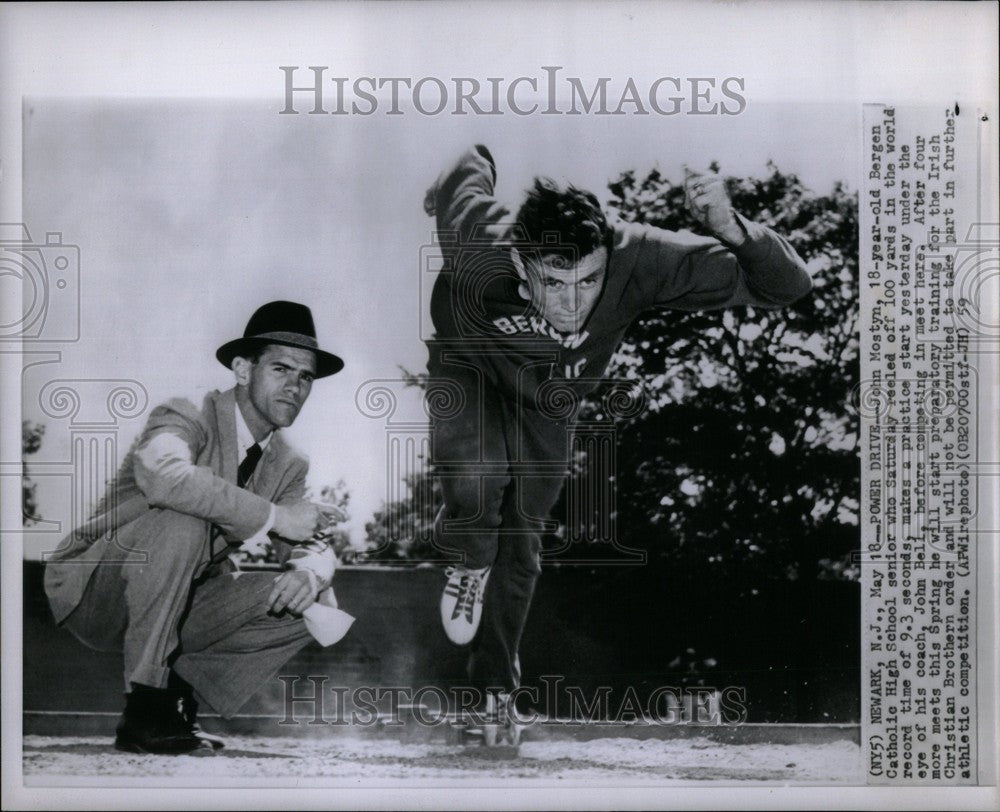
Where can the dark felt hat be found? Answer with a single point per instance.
(287, 323)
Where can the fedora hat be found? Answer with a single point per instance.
(287, 323)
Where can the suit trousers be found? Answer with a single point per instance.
(501, 465)
(163, 611)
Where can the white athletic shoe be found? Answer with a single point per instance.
(462, 602)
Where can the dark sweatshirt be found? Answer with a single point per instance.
(480, 318)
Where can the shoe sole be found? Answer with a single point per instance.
(465, 632)
(459, 632)
(462, 640)
(131, 747)
(217, 744)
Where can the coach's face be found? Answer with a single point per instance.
(279, 383)
(566, 294)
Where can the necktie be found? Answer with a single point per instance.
(247, 466)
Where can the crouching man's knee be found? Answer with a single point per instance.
(166, 538)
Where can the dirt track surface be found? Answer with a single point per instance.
(613, 759)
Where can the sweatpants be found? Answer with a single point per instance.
(167, 613)
(502, 465)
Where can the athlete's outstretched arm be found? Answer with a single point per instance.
(743, 263)
(462, 197)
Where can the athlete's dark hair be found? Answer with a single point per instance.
(567, 222)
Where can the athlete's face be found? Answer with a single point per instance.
(563, 293)
(279, 383)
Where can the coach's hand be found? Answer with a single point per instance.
(292, 591)
(298, 521)
(708, 201)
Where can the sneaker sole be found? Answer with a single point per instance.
(466, 631)
(131, 747)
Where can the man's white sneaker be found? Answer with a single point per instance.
(462, 602)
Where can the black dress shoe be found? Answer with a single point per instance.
(187, 705)
(153, 724)
(189, 711)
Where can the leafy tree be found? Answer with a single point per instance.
(746, 460)
(31, 442)
(402, 530)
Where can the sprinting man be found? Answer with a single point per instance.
(523, 305)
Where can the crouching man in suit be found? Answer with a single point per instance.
(156, 575)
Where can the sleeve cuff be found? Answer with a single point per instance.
(756, 248)
(320, 563)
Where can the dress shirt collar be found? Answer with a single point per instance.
(244, 437)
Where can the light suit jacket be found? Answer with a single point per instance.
(206, 488)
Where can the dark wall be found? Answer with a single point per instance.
(794, 647)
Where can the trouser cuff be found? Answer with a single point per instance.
(151, 675)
